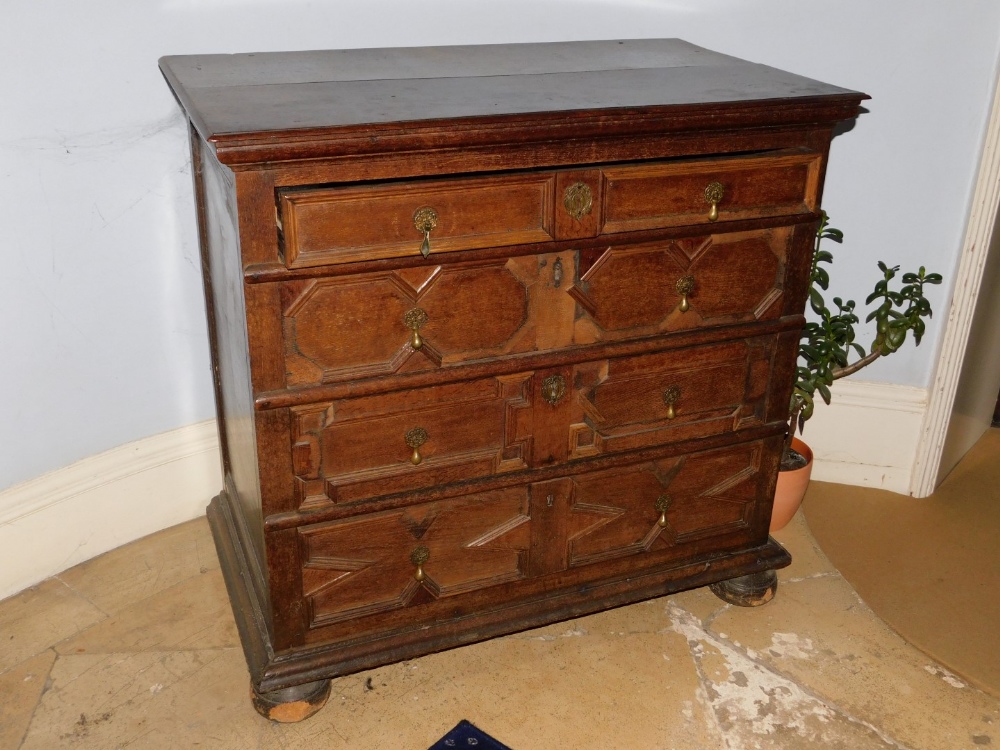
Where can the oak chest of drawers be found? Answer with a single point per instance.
(501, 335)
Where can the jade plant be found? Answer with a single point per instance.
(828, 342)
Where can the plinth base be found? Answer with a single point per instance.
(292, 704)
(747, 591)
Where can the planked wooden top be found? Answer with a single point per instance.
(245, 99)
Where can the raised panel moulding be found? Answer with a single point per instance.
(62, 518)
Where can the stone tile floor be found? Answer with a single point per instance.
(137, 649)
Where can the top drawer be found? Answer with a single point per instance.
(342, 225)
(370, 222)
(651, 196)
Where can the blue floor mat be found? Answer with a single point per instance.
(467, 736)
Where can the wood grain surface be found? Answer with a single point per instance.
(595, 365)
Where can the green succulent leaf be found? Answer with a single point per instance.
(824, 391)
(828, 344)
(816, 300)
(806, 413)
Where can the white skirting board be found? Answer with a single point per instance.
(867, 436)
(62, 518)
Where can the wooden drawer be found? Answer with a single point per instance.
(368, 564)
(669, 194)
(340, 225)
(364, 447)
(636, 402)
(663, 509)
(354, 449)
(485, 550)
(626, 291)
(345, 224)
(349, 327)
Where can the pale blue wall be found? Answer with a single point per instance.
(103, 335)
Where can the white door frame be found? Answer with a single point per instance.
(969, 277)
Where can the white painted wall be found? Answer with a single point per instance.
(103, 337)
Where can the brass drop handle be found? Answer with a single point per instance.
(415, 319)
(425, 220)
(685, 285)
(713, 196)
(415, 438)
(670, 397)
(662, 504)
(418, 557)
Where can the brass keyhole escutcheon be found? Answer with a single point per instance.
(425, 220)
(418, 557)
(685, 285)
(662, 504)
(578, 200)
(557, 273)
(415, 319)
(670, 397)
(554, 388)
(713, 196)
(414, 439)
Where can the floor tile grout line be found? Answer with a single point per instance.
(931, 657)
(108, 616)
(46, 687)
(701, 694)
(812, 577)
(881, 733)
(970, 684)
(52, 646)
(82, 596)
(204, 650)
(69, 637)
(201, 572)
(707, 622)
(105, 616)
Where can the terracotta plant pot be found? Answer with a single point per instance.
(791, 488)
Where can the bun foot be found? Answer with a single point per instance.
(748, 591)
(291, 704)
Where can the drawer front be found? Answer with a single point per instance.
(672, 285)
(346, 224)
(386, 561)
(349, 327)
(340, 225)
(653, 399)
(354, 449)
(432, 562)
(658, 509)
(357, 326)
(357, 448)
(669, 194)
